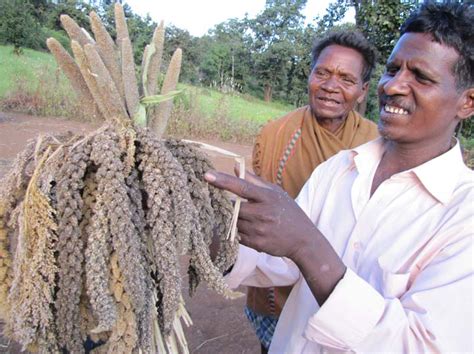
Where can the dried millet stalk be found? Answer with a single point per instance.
(123, 338)
(129, 77)
(97, 254)
(73, 73)
(205, 269)
(120, 23)
(107, 50)
(13, 186)
(155, 59)
(70, 245)
(15, 292)
(125, 240)
(110, 96)
(200, 257)
(89, 78)
(5, 268)
(138, 218)
(186, 154)
(88, 322)
(134, 191)
(160, 115)
(197, 162)
(49, 183)
(89, 197)
(175, 184)
(151, 154)
(11, 192)
(74, 31)
(228, 251)
(32, 292)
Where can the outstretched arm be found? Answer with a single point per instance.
(271, 222)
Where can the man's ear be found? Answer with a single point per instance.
(365, 90)
(466, 106)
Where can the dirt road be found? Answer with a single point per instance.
(220, 325)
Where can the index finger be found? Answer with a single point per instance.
(252, 178)
(238, 186)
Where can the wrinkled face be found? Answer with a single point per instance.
(418, 99)
(335, 84)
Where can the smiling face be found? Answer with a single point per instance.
(419, 103)
(335, 84)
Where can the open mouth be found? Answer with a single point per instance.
(395, 110)
(328, 100)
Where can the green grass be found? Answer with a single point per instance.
(206, 113)
(27, 67)
(237, 107)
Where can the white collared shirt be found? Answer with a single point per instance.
(409, 256)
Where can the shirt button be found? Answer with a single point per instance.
(357, 246)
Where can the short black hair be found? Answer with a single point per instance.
(350, 39)
(450, 24)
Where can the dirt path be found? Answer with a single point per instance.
(220, 325)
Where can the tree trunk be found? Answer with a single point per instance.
(267, 93)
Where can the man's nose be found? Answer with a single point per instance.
(395, 85)
(331, 84)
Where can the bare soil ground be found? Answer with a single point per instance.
(220, 326)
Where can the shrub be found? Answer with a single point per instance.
(17, 24)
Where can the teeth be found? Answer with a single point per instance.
(328, 99)
(395, 110)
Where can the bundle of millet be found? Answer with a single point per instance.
(92, 227)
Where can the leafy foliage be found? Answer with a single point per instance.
(17, 24)
(380, 21)
(275, 30)
(76, 9)
(178, 38)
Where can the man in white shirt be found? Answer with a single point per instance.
(379, 246)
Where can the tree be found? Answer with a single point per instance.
(17, 24)
(225, 55)
(41, 9)
(380, 21)
(178, 38)
(78, 10)
(275, 32)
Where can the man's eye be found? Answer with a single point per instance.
(348, 80)
(423, 79)
(391, 71)
(321, 73)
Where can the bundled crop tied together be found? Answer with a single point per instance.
(92, 227)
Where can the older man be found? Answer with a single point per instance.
(290, 148)
(380, 248)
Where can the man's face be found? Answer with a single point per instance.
(418, 99)
(335, 84)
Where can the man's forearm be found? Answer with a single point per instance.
(320, 265)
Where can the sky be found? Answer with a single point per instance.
(198, 16)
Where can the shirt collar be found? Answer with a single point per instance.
(367, 155)
(439, 175)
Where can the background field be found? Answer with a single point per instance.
(31, 83)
